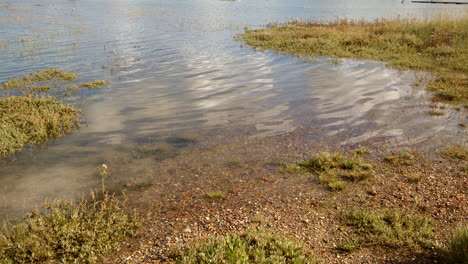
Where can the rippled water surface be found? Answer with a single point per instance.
(177, 75)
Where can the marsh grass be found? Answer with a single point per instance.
(391, 228)
(30, 112)
(252, 247)
(33, 120)
(334, 169)
(35, 81)
(439, 46)
(457, 250)
(94, 84)
(68, 232)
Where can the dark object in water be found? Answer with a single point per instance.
(440, 2)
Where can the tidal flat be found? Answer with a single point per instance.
(199, 148)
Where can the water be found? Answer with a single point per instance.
(178, 79)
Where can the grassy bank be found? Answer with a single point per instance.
(439, 46)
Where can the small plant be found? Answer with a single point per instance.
(391, 228)
(457, 251)
(257, 218)
(349, 245)
(67, 232)
(361, 150)
(94, 84)
(414, 177)
(216, 196)
(252, 247)
(455, 153)
(435, 112)
(103, 173)
(334, 169)
(401, 158)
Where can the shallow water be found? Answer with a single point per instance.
(178, 79)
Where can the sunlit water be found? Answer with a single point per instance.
(177, 73)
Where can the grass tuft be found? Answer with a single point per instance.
(216, 196)
(68, 232)
(94, 84)
(349, 245)
(251, 247)
(391, 228)
(400, 158)
(334, 169)
(457, 251)
(414, 177)
(438, 45)
(31, 81)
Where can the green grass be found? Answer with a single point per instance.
(33, 120)
(34, 81)
(400, 158)
(349, 245)
(216, 195)
(414, 177)
(67, 232)
(334, 169)
(391, 228)
(457, 250)
(252, 247)
(439, 46)
(94, 84)
(361, 150)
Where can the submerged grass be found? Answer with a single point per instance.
(251, 247)
(334, 169)
(33, 81)
(391, 228)
(94, 84)
(439, 46)
(30, 113)
(68, 232)
(33, 120)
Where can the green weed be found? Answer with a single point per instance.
(33, 120)
(333, 169)
(94, 84)
(32, 81)
(391, 228)
(349, 245)
(400, 158)
(67, 232)
(252, 247)
(216, 195)
(414, 177)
